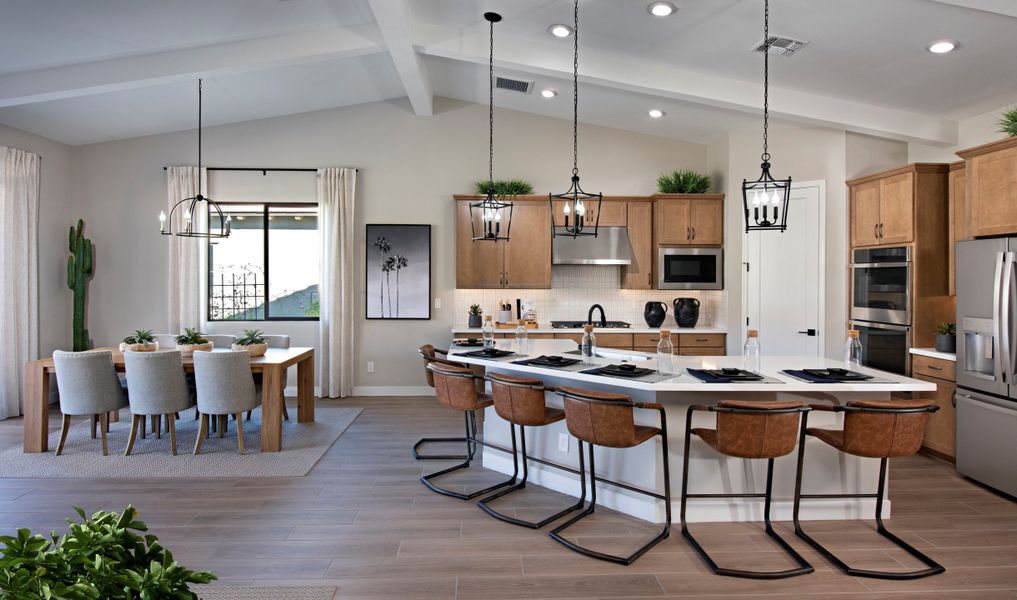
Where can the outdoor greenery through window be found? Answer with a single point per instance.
(268, 269)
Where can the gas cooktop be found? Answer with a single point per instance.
(579, 324)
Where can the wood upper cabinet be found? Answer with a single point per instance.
(612, 213)
(960, 216)
(689, 219)
(897, 208)
(991, 194)
(865, 214)
(522, 262)
(887, 207)
(639, 274)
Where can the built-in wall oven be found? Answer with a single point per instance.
(884, 346)
(682, 268)
(881, 285)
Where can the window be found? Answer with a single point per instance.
(268, 269)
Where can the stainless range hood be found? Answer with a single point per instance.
(610, 247)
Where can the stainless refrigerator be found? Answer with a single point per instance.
(986, 399)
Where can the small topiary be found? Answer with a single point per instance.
(683, 182)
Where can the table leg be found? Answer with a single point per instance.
(35, 396)
(271, 409)
(305, 390)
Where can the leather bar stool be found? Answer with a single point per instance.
(431, 355)
(455, 388)
(753, 430)
(520, 401)
(605, 419)
(872, 429)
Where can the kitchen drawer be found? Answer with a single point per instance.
(704, 351)
(933, 367)
(702, 340)
(604, 340)
(575, 337)
(940, 430)
(647, 340)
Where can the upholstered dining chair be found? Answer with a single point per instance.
(89, 386)
(157, 388)
(276, 341)
(220, 341)
(225, 387)
(167, 341)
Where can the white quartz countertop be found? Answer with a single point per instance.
(771, 367)
(933, 353)
(476, 331)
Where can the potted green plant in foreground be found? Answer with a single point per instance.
(475, 315)
(191, 341)
(101, 557)
(141, 340)
(683, 181)
(946, 338)
(253, 341)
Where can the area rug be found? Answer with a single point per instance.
(223, 592)
(303, 446)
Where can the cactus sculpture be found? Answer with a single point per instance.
(79, 271)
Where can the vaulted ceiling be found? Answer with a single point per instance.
(83, 72)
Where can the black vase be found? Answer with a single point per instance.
(654, 313)
(686, 312)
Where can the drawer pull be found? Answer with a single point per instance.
(935, 368)
(702, 340)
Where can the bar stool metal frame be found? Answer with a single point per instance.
(471, 447)
(804, 567)
(416, 447)
(521, 484)
(556, 533)
(933, 568)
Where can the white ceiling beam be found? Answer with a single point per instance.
(157, 68)
(612, 70)
(394, 22)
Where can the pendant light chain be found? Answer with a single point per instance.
(575, 92)
(766, 79)
(490, 111)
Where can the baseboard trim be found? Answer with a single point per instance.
(393, 390)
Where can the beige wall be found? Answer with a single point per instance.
(409, 167)
(973, 131)
(57, 211)
(868, 154)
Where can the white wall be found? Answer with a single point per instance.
(973, 131)
(409, 168)
(57, 212)
(867, 154)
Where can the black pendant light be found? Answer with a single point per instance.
(194, 206)
(492, 211)
(578, 215)
(766, 199)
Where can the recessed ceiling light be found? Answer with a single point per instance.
(942, 46)
(559, 30)
(661, 9)
(656, 113)
(548, 93)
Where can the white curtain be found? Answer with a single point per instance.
(19, 318)
(186, 255)
(336, 193)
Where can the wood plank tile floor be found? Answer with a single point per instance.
(361, 521)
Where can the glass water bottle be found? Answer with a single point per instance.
(588, 345)
(488, 332)
(750, 353)
(522, 337)
(853, 350)
(665, 354)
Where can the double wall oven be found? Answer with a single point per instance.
(881, 291)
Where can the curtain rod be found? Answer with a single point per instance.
(262, 169)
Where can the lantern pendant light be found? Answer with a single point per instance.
(194, 206)
(580, 211)
(766, 199)
(495, 215)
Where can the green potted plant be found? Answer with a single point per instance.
(683, 181)
(253, 341)
(946, 338)
(191, 341)
(141, 340)
(503, 187)
(475, 316)
(1008, 122)
(101, 557)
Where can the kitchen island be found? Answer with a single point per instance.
(826, 470)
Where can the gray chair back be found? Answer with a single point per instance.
(278, 341)
(156, 383)
(220, 341)
(88, 382)
(225, 383)
(167, 341)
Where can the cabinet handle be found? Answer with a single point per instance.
(649, 279)
(875, 231)
(702, 340)
(688, 233)
(880, 231)
(693, 233)
(935, 368)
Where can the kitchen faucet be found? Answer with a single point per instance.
(603, 318)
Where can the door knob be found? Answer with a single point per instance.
(809, 332)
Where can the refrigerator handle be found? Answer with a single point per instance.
(999, 348)
(1008, 312)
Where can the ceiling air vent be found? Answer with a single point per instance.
(780, 46)
(513, 85)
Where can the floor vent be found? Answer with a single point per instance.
(513, 85)
(780, 46)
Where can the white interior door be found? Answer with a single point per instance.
(783, 279)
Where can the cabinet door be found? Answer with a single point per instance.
(613, 213)
(528, 251)
(992, 192)
(960, 224)
(865, 214)
(478, 264)
(672, 222)
(941, 431)
(639, 274)
(707, 221)
(897, 209)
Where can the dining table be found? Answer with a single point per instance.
(272, 367)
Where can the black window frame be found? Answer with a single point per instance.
(265, 206)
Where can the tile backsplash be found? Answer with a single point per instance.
(574, 288)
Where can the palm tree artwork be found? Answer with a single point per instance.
(398, 282)
(384, 246)
(399, 262)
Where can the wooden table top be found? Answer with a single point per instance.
(274, 357)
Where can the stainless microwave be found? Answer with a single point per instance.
(681, 268)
